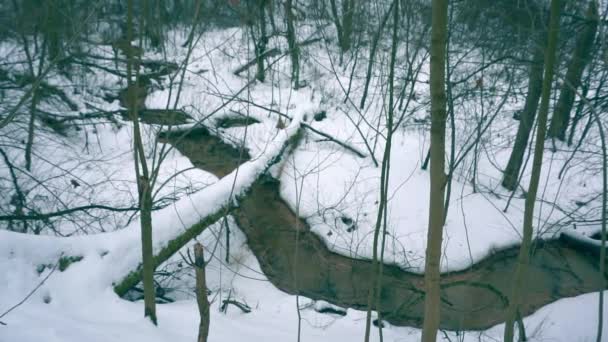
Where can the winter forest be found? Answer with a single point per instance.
(303, 170)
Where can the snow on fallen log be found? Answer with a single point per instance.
(114, 259)
(581, 242)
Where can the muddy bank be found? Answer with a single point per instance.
(472, 299)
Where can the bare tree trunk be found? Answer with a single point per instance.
(578, 114)
(262, 42)
(602, 266)
(528, 114)
(31, 127)
(337, 21)
(450, 115)
(201, 293)
(348, 11)
(438, 178)
(580, 59)
(343, 22)
(372, 55)
(294, 50)
(376, 291)
(143, 179)
(30, 132)
(147, 250)
(523, 259)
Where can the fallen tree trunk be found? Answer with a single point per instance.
(268, 53)
(582, 243)
(171, 248)
(174, 245)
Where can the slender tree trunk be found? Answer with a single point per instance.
(348, 11)
(30, 132)
(201, 293)
(147, 250)
(528, 114)
(343, 22)
(450, 115)
(602, 261)
(372, 55)
(143, 179)
(523, 259)
(31, 127)
(578, 115)
(262, 42)
(580, 59)
(375, 292)
(227, 227)
(438, 178)
(337, 21)
(52, 28)
(294, 50)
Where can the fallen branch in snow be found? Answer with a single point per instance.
(332, 139)
(54, 118)
(44, 216)
(268, 53)
(581, 242)
(307, 126)
(244, 307)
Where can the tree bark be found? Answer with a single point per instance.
(143, 179)
(376, 291)
(146, 249)
(169, 250)
(578, 114)
(294, 50)
(580, 59)
(31, 128)
(438, 178)
(337, 21)
(260, 46)
(528, 114)
(602, 261)
(201, 293)
(30, 132)
(344, 24)
(523, 259)
(347, 24)
(372, 55)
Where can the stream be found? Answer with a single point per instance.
(473, 299)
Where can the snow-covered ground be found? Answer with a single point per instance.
(339, 200)
(77, 305)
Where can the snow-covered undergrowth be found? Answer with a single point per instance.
(338, 189)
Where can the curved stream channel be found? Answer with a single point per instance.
(472, 299)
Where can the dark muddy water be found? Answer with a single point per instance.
(472, 299)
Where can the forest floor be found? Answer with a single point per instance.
(332, 188)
